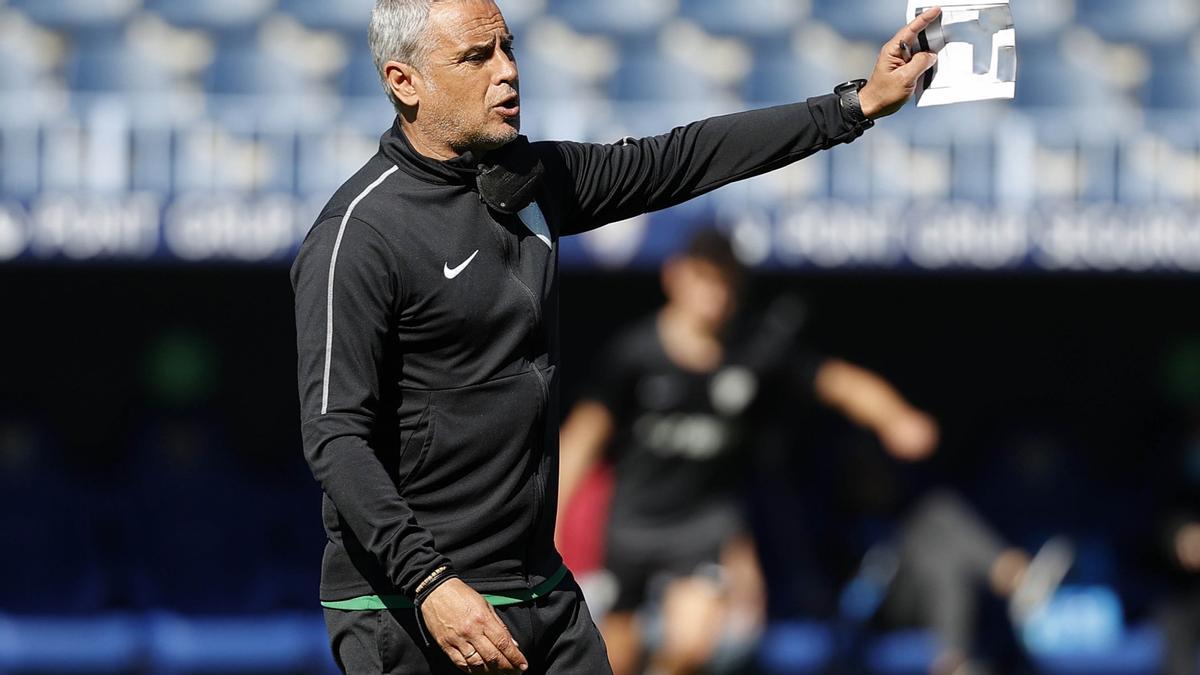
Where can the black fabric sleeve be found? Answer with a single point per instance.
(615, 182)
(341, 331)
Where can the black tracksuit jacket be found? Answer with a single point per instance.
(427, 331)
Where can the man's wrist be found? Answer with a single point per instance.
(432, 581)
(869, 104)
(850, 99)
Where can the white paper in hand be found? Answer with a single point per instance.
(976, 44)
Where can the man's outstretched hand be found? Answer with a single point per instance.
(897, 70)
(466, 627)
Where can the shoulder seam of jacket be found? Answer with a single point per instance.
(337, 245)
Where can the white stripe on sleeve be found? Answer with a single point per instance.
(337, 245)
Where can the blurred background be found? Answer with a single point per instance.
(1025, 271)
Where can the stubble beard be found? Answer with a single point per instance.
(449, 126)
(484, 137)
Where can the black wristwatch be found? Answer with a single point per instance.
(847, 93)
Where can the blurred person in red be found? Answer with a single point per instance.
(674, 406)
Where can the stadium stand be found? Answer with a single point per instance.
(635, 66)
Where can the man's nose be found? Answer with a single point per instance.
(506, 70)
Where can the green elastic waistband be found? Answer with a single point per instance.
(377, 602)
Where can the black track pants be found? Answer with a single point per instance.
(555, 633)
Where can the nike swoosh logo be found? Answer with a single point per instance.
(453, 272)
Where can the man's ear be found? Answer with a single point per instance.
(402, 80)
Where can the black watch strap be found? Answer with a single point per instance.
(847, 93)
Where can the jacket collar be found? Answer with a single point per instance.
(461, 170)
(506, 179)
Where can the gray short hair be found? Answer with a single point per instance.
(396, 34)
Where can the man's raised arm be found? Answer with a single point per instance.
(619, 181)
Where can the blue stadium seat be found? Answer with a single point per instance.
(783, 74)
(648, 76)
(1081, 630)
(670, 67)
(116, 70)
(543, 78)
(546, 74)
(1175, 81)
(76, 13)
(258, 91)
(111, 644)
(778, 81)
(360, 78)
(909, 652)
(1043, 19)
(618, 17)
(749, 18)
(213, 14)
(288, 643)
(24, 62)
(248, 70)
(18, 74)
(351, 16)
(1049, 77)
(1141, 21)
(1139, 651)
(875, 20)
(640, 72)
(796, 647)
(519, 13)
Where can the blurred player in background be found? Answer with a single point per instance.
(936, 570)
(674, 405)
(1176, 540)
(1181, 616)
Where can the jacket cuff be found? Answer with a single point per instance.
(835, 125)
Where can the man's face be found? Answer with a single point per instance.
(701, 289)
(468, 87)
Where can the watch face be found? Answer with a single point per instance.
(847, 87)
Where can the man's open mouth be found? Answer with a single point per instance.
(510, 107)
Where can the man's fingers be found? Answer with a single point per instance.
(464, 654)
(479, 653)
(898, 50)
(476, 661)
(908, 34)
(457, 656)
(913, 70)
(507, 646)
(488, 655)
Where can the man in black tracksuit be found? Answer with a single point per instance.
(426, 312)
